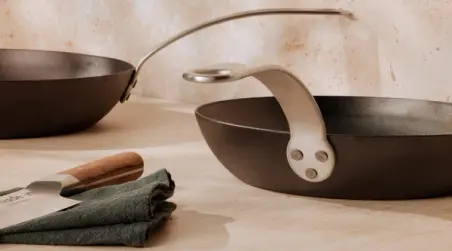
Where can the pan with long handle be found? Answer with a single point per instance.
(344, 147)
(45, 93)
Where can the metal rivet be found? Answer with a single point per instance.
(311, 173)
(321, 156)
(296, 154)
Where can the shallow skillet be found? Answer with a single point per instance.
(44, 93)
(341, 147)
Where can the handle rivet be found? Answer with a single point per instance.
(311, 173)
(321, 156)
(296, 154)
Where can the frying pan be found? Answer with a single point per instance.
(339, 147)
(45, 93)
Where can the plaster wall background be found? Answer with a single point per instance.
(398, 48)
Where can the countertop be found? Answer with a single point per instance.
(216, 211)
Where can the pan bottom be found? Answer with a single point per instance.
(386, 148)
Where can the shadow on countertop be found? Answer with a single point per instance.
(191, 230)
(440, 207)
(129, 125)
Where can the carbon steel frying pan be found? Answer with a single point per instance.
(45, 93)
(342, 147)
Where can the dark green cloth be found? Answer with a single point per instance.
(125, 214)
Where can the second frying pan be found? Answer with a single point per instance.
(368, 148)
(44, 93)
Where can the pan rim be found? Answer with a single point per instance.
(198, 113)
(130, 66)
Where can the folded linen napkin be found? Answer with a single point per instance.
(124, 214)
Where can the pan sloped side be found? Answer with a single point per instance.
(367, 167)
(31, 109)
(47, 93)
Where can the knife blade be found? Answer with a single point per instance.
(49, 194)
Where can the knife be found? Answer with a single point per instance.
(49, 194)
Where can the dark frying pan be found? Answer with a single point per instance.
(327, 146)
(44, 93)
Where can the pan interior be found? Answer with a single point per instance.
(35, 65)
(344, 115)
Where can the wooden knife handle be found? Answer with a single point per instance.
(111, 170)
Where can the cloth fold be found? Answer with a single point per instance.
(124, 214)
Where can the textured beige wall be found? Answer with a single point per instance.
(397, 47)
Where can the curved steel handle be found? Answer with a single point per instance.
(239, 15)
(309, 153)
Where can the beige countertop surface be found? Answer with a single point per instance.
(215, 210)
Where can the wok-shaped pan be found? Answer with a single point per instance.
(340, 147)
(44, 93)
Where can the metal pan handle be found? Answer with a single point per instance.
(239, 15)
(308, 152)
